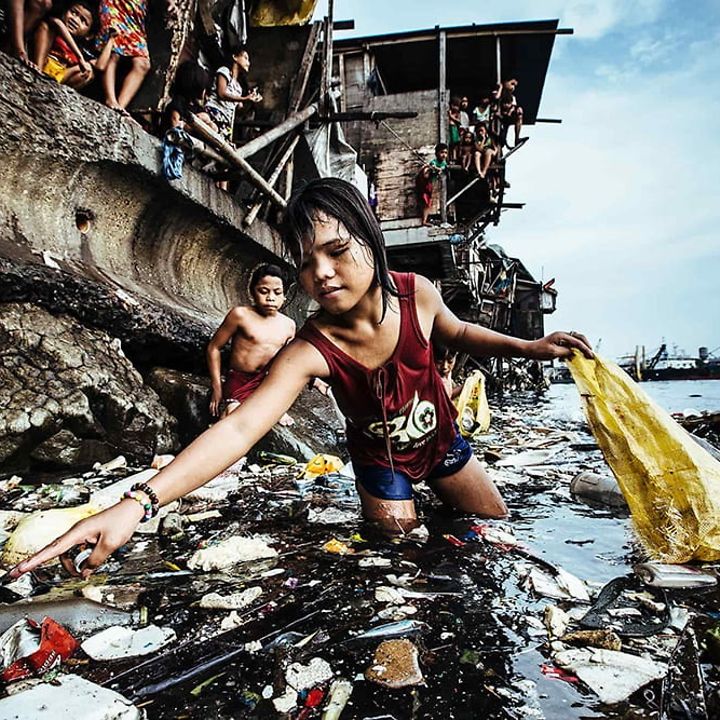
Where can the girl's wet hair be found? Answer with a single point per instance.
(342, 201)
(266, 270)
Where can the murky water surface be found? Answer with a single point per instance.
(480, 636)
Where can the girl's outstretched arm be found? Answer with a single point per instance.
(476, 340)
(210, 454)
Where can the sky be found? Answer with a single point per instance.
(623, 198)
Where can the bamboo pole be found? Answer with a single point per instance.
(296, 119)
(232, 155)
(250, 218)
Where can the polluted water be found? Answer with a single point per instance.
(538, 616)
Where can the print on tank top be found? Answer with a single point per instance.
(412, 428)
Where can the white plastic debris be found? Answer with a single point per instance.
(338, 696)
(368, 562)
(235, 601)
(286, 702)
(331, 516)
(613, 676)
(115, 464)
(556, 621)
(229, 552)
(121, 642)
(390, 595)
(70, 697)
(564, 586)
(231, 621)
(19, 640)
(50, 259)
(23, 586)
(527, 458)
(221, 485)
(303, 677)
(419, 534)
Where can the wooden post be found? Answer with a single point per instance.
(250, 217)
(234, 158)
(341, 71)
(289, 175)
(303, 75)
(262, 141)
(442, 115)
(498, 59)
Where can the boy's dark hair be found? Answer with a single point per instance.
(454, 100)
(440, 147)
(265, 270)
(190, 81)
(342, 201)
(92, 8)
(442, 352)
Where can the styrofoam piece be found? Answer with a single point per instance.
(70, 697)
(122, 642)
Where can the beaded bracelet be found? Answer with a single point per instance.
(146, 506)
(144, 487)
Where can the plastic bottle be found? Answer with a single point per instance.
(600, 488)
(271, 457)
(673, 576)
(79, 615)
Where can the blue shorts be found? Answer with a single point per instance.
(381, 483)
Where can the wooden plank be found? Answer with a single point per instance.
(303, 74)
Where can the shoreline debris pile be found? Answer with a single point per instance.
(268, 596)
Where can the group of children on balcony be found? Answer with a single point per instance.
(476, 140)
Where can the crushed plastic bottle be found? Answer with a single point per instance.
(674, 576)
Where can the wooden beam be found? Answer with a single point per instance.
(287, 155)
(374, 115)
(234, 158)
(303, 74)
(430, 35)
(250, 148)
(554, 121)
(498, 59)
(442, 115)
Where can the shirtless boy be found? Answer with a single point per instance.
(257, 332)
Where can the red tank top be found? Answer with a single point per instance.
(64, 53)
(398, 415)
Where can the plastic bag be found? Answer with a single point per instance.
(322, 464)
(472, 406)
(671, 484)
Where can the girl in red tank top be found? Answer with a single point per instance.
(370, 341)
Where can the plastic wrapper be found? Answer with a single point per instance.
(472, 406)
(671, 484)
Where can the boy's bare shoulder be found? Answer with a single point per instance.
(239, 313)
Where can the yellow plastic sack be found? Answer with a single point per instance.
(671, 484)
(321, 465)
(472, 406)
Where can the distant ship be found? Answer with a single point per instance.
(676, 366)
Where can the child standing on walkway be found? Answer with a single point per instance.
(425, 179)
(256, 332)
(127, 17)
(371, 341)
